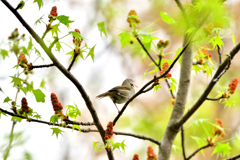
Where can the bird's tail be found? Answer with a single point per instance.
(102, 95)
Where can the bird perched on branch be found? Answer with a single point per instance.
(120, 94)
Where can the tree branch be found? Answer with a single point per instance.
(149, 83)
(138, 136)
(222, 69)
(41, 66)
(199, 149)
(219, 54)
(72, 62)
(183, 144)
(65, 72)
(234, 158)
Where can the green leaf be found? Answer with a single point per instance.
(233, 38)
(39, 95)
(3, 114)
(55, 29)
(91, 53)
(216, 41)
(21, 5)
(42, 84)
(177, 53)
(58, 46)
(101, 28)
(76, 126)
(39, 2)
(37, 51)
(30, 44)
(166, 18)
(64, 20)
(222, 150)
(57, 131)
(120, 146)
(199, 141)
(4, 53)
(7, 100)
(37, 116)
(16, 118)
(16, 81)
(39, 20)
(54, 119)
(124, 39)
(73, 111)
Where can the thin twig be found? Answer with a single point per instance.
(149, 83)
(183, 143)
(220, 71)
(139, 137)
(6, 154)
(214, 99)
(233, 158)
(79, 123)
(72, 62)
(199, 149)
(44, 122)
(219, 54)
(41, 66)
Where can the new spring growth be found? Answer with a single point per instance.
(203, 55)
(77, 43)
(24, 106)
(164, 68)
(133, 19)
(217, 132)
(23, 62)
(135, 157)
(232, 85)
(109, 131)
(52, 16)
(57, 106)
(162, 44)
(150, 154)
(14, 34)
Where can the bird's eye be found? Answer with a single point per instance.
(131, 85)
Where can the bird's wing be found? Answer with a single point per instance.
(120, 88)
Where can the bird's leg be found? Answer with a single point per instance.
(116, 107)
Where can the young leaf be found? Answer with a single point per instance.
(73, 111)
(16, 118)
(166, 18)
(4, 53)
(57, 131)
(54, 119)
(222, 150)
(58, 46)
(39, 20)
(64, 20)
(55, 29)
(42, 84)
(7, 100)
(101, 28)
(124, 38)
(76, 126)
(3, 114)
(30, 44)
(39, 95)
(39, 2)
(91, 53)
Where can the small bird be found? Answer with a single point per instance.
(120, 94)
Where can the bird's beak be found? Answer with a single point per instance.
(135, 85)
